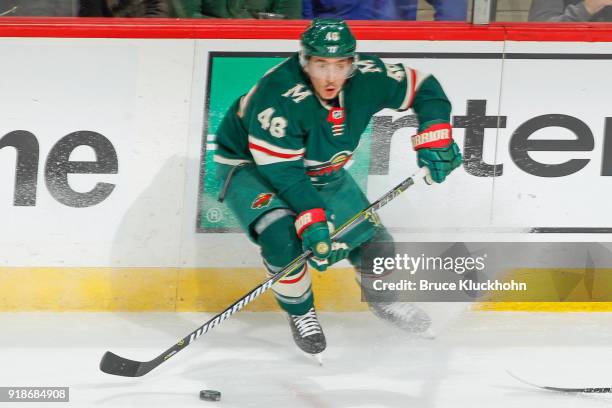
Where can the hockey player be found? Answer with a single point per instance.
(282, 148)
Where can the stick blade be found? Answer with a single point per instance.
(116, 365)
(596, 390)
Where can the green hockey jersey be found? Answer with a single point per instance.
(298, 140)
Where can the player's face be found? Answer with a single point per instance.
(328, 75)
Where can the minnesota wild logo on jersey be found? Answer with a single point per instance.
(262, 200)
(318, 169)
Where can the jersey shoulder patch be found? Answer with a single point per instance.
(368, 64)
(290, 98)
(285, 84)
(281, 109)
(298, 92)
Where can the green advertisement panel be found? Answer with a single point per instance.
(231, 75)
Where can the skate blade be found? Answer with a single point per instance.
(428, 335)
(316, 357)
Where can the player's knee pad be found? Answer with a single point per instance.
(277, 237)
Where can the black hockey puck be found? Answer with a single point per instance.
(210, 395)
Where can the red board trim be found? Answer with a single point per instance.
(70, 27)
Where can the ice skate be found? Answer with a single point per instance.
(404, 315)
(307, 333)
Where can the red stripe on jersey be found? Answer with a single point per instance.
(273, 153)
(413, 79)
(296, 279)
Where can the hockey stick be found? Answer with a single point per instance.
(594, 390)
(116, 365)
(9, 11)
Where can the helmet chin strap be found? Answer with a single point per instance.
(303, 59)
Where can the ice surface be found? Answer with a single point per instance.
(252, 360)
